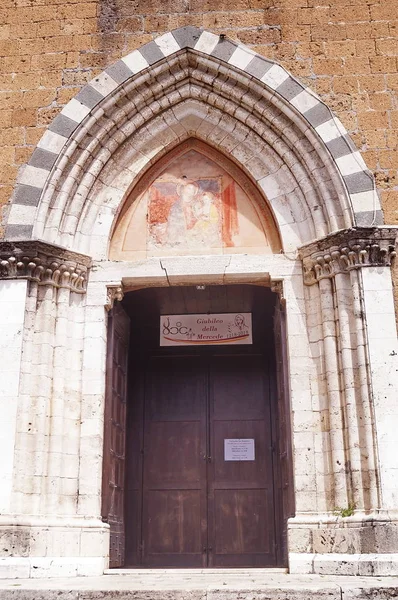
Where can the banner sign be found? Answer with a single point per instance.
(192, 330)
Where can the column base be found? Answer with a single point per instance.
(52, 566)
(377, 565)
(356, 545)
(53, 547)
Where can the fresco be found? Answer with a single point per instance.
(194, 206)
(191, 213)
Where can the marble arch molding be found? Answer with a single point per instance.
(191, 83)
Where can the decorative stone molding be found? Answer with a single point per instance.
(348, 249)
(277, 287)
(44, 263)
(226, 79)
(114, 293)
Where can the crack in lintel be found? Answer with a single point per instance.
(226, 267)
(207, 276)
(165, 271)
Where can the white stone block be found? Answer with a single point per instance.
(104, 84)
(51, 141)
(241, 57)
(167, 44)
(34, 176)
(304, 101)
(337, 564)
(275, 76)
(207, 42)
(21, 214)
(300, 563)
(366, 201)
(14, 568)
(330, 130)
(135, 61)
(351, 163)
(75, 110)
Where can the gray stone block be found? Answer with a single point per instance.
(322, 592)
(63, 125)
(341, 540)
(341, 146)
(224, 50)
(27, 195)
(318, 114)
(290, 89)
(186, 37)
(368, 219)
(43, 159)
(119, 72)
(359, 182)
(151, 52)
(89, 96)
(18, 232)
(258, 66)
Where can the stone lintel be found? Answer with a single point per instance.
(348, 249)
(45, 263)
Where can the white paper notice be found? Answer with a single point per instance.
(239, 449)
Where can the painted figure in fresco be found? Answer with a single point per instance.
(193, 218)
(182, 216)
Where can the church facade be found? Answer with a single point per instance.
(195, 177)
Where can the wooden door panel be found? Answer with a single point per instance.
(241, 507)
(174, 481)
(175, 457)
(174, 527)
(242, 522)
(238, 389)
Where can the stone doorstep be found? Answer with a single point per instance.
(191, 584)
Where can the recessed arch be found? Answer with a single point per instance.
(226, 214)
(191, 83)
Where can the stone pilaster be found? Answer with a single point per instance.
(348, 280)
(44, 525)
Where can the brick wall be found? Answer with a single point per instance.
(346, 50)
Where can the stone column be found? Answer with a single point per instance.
(358, 533)
(43, 532)
(12, 316)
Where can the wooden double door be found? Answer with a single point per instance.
(199, 477)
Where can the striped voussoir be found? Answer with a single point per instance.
(358, 180)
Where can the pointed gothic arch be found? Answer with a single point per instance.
(192, 83)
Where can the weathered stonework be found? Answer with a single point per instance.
(346, 250)
(44, 264)
(114, 293)
(342, 344)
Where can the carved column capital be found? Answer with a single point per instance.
(44, 263)
(277, 287)
(113, 293)
(348, 249)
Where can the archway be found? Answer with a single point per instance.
(197, 463)
(191, 84)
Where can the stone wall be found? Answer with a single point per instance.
(345, 50)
